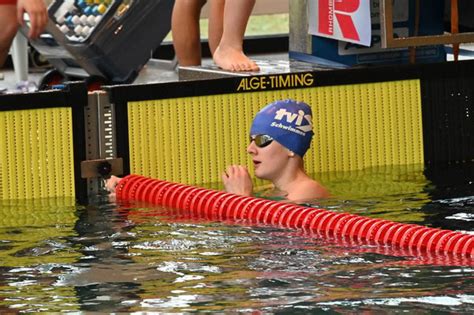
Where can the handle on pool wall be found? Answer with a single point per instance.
(219, 205)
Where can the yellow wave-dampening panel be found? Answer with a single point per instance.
(36, 157)
(191, 140)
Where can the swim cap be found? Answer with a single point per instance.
(288, 122)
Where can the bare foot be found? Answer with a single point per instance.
(231, 59)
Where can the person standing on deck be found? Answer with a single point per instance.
(11, 17)
(227, 23)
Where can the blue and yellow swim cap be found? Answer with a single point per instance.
(288, 122)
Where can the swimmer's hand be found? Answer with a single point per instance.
(111, 183)
(237, 180)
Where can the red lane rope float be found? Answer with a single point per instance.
(223, 206)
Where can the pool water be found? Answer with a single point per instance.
(56, 256)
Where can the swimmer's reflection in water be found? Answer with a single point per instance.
(280, 135)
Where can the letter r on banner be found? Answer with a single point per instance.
(347, 20)
(343, 11)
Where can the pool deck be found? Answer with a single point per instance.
(160, 71)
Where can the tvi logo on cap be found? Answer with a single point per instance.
(297, 119)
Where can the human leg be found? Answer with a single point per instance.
(8, 29)
(216, 23)
(229, 54)
(185, 30)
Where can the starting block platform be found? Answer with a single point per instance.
(267, 67)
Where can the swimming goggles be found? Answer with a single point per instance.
(261, 141)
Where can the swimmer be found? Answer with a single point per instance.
(280, 135)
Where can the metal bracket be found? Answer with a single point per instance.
(101, 168)
(100, 143)
(386, 29)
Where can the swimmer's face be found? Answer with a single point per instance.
(269, 161)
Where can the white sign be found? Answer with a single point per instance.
(345, 48)
(346, 20)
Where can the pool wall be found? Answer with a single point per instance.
(42, 144)
(188, 131)
(410, 114)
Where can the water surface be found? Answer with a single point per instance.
(108, 257)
